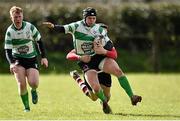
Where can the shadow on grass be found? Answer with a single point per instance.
(148, 115)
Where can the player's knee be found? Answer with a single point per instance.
(34, 84)
(96, 88)
(118, 72)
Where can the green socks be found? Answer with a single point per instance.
(123, 81)
(25, 100)
(101, 95)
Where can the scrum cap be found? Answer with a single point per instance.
(89, 11)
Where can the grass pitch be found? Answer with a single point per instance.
(61, 99)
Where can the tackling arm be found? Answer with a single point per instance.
(72, 55)
(108, 50)
(112, 53)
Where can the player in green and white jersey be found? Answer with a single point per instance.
(105, 80)
(21, 52)
(93, 46)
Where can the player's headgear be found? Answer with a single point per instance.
(89, 11)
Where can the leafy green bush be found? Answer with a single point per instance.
(144, 32)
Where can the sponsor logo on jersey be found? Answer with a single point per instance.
(87, 47)
(23, 49)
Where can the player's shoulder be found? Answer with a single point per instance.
(103, 25)
(10, 29)
(100, 27)
(76, 24)
(28, 24)
(79, 23)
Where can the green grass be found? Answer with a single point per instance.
(60, 98)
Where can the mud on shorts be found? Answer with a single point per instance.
(27, 62)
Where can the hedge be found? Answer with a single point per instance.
(147, 36)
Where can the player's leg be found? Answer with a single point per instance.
(22, 88)
(92, 78)
(106, 91)
(92, 95)
(105, 82)
(110, 66)
(80, 82)
(84, 86)
(33, 80)
(90, 72)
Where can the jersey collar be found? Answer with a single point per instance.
(22, 27)
(85, 24)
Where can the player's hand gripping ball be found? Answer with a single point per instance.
(98, 41)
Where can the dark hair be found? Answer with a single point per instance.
(89, 11)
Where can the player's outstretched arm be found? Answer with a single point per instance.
(58, 28)
(48, 24)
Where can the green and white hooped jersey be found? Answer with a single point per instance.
(84, 36)
(22, 41)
